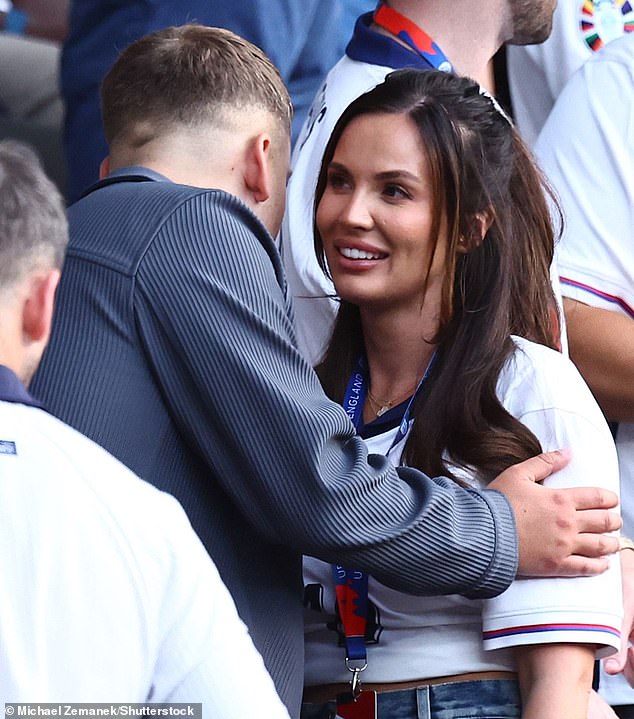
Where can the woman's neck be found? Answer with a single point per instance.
(398, 349)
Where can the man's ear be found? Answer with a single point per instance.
(257, 174)
(37, 310)
(104, 167)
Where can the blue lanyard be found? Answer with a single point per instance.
(357, 390)
(351, 585)
(354, 399)
(413, 36)
(351, 588)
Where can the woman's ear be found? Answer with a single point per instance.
(478, 229)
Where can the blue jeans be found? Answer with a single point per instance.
(486, 699)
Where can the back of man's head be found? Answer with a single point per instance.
(185, 77)
(33, 228)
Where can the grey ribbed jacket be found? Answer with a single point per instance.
(173, 347)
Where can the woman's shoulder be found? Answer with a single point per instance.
(536, 378)
(531, 358)
(529, 355)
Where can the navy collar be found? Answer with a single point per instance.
(134, 173)
(390, 420)
(12, 390)
(368, 45)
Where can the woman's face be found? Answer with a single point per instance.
(375, 215)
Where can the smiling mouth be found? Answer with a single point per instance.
(352, 253)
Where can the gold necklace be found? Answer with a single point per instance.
(381, 406)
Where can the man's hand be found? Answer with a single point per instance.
(624, 660)
(561, 532)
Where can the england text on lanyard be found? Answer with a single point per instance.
(351, 585)
(413, 36)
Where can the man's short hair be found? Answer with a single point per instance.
(188, 76)
(33, 226)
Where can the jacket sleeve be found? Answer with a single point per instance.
(211, 313)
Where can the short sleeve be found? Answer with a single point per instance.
(586, 150)
(545, 391)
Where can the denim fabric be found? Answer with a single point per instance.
(487, 699)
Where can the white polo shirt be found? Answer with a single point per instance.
(538, 73)
(587, 150)
(106, 593)
(425, 637)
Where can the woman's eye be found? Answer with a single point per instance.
(396, 192)
(337, 181)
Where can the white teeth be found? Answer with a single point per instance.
(353, 254)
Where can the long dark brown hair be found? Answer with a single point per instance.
(479, 168)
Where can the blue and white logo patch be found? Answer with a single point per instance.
(7, 446)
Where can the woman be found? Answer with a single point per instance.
(431, 219)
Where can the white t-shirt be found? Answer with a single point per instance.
(107, 594)
(587, 150)
(537, 73)
(419, 637)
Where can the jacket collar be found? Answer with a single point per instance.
(12, 390)
(368, 45)
(134, 173)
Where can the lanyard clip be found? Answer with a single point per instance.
(356, 666)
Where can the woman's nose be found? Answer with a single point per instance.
(357, 210)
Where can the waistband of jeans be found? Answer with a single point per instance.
(328, 692)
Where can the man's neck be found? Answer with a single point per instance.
(186, 158)
(469, 43)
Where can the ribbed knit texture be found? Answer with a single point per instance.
(173, 348)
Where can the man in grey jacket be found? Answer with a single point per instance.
(173, 347)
